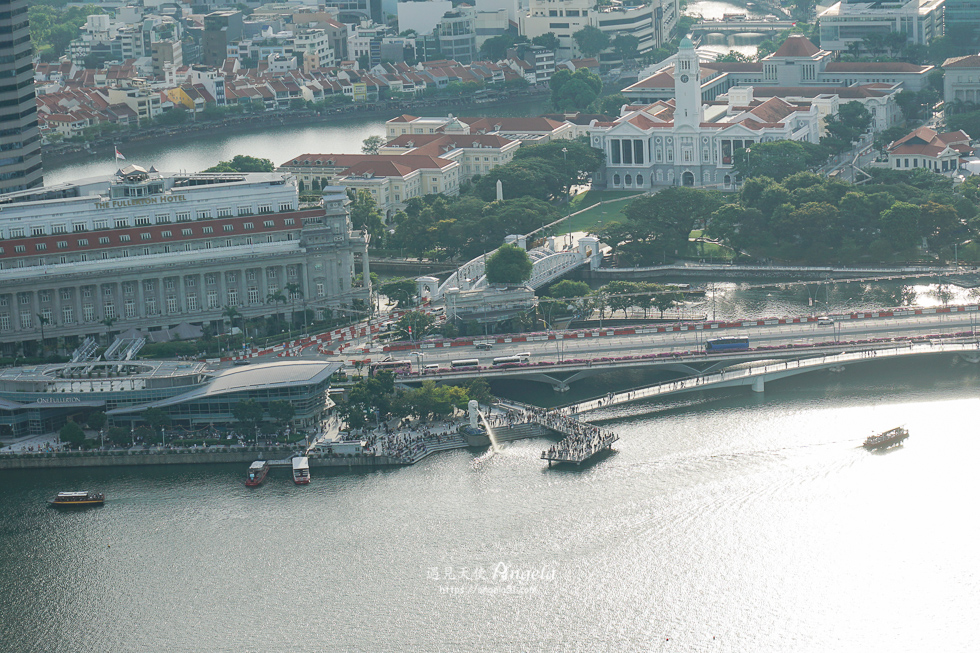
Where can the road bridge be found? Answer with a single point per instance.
(738, 26)
(756, 377)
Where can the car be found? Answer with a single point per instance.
(823, 320)
(241, 361)
(483, 345)
(430, 368)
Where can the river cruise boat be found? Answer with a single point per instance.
(256, 473)
(301, 470)
(78, 499)
(890, 438)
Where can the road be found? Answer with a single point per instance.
(634, 345)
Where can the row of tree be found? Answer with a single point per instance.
(377, 398)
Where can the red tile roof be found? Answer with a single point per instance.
(796, 45)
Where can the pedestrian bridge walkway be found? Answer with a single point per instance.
(757, 376)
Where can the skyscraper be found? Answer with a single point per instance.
(20, 141)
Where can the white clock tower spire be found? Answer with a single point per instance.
(687, 86)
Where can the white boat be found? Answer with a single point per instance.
(301, 470)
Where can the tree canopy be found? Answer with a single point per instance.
(243, 163)
(591, 40)
(574, 91)
(509, 265)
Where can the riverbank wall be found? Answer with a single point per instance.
(62, 460)
(766, 272)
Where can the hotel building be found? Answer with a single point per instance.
(152, 250)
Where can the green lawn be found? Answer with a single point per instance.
(589, 220)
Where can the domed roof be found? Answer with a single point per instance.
(686, 44)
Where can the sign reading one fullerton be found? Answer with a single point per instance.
(158, 199)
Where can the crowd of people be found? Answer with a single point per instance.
(582, 440)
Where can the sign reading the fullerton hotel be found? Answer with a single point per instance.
(158, 199)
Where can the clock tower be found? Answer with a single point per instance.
(687, 86)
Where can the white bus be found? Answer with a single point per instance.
(466, 362)
(516, 359)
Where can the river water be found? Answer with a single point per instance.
(724, 522)
(276, 144)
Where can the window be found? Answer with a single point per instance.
(186, 232)
(110, 311)
(289, 222)
(124, 238)
(271, 273)
(59, 229)
(616, 180)
(233, 297)
(41, 246)
(127, 288)
(265, 208)
(224, 213)
(184, 216)
(190, 282)
(67, 314)
(142, 221)
(204, 215)
(248, 225)
(151, 307)
(229, 227)
(269, 223)
(169, 284)
(62, 244)
(212, 299)
(232, 277)
(244, 210)
(148, 286)
(319, 290)
(130, 309)
(88, 313)
(162, 218)
(146, 236)
(166, 234)
(101, 224)
(208, 230)
(107, 291)
(104, 240)
(253, 296)
(78, 226)
(171, 305)
(37, 231)
(25, 321)
(66, 295)
(87, 293)
(285, 207)
(16, 233)
(121, 223)
(192, 302)
(19, 248)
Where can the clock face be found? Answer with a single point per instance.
(684, 78)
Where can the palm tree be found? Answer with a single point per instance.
(276, 298)
(294, 290)
(231, 313)
(42, 321)
(108, 322)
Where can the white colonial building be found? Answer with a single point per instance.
(685, 142)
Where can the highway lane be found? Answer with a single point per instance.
(639, 344)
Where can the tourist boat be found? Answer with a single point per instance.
(889, 438)
(256, 473)
(733, 17)
(301, 470)
(78, 499)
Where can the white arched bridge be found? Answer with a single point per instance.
(549, 262)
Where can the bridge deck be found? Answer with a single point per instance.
(747, 376)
